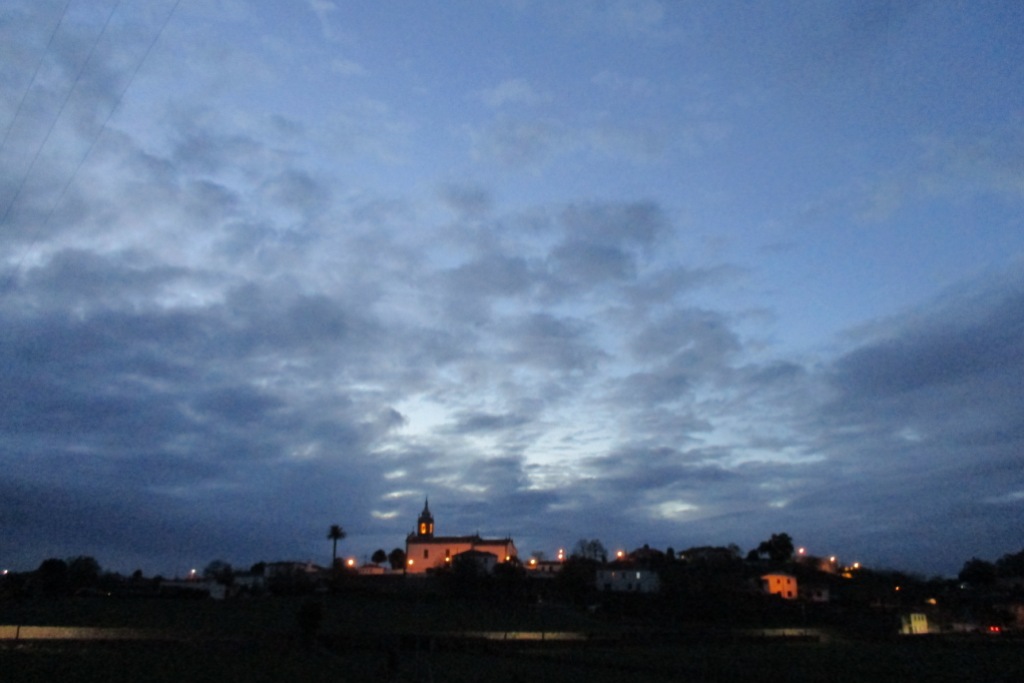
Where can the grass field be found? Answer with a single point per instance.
(370, 638)
(783, 662)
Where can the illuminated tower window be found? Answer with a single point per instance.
(425, 524)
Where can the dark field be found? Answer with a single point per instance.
(380, 639)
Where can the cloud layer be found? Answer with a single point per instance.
(261, 300)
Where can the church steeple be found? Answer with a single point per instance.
(425, 524)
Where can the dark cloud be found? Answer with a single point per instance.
(466, 200)
(954, 371)
(591, 263)
(635, 224)
(469, 423)
(699, 337)
(521, 143)
(923, 429)
(558, 343)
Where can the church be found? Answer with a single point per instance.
(424, 551)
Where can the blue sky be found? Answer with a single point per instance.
(652, 272)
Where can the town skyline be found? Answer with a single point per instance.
(342, 555)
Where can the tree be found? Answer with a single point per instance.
(397, 558)
(1011, 565)
(335, 534)
(978, 572)
(52, 577)
(83, 572)
(379, 556)
(778, 548)
(591, 550)
(220, 571)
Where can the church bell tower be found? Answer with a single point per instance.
(425, 524)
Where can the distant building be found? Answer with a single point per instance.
(543, 568)
(278, 569)
(627, 577)
(783, 585)
(818, 592)
(425, 552)
(482, 562)
(914, 624)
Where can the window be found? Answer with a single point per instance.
(426, 553)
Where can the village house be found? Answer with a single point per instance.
(783, 585)
(627, 577)
(545, 569)
(818, 592)
(426, 552)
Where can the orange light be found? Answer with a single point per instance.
(350, 562)
(620, 554)
(410, 563)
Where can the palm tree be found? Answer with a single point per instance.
(336, 534)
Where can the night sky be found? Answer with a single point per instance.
(677, 273)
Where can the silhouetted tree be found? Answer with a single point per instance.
(51, 577)
(379, 556)
(83, 572)
(590, 550)
(978, 572)
(220, 571)
(1011, 565)
(397, 558)
(575, 581)
(778, 548)
(335, 534)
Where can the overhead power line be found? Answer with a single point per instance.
(95, 139)
(35, 75)
(60, 111)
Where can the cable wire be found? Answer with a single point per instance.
(60, 111)
(35, 75)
